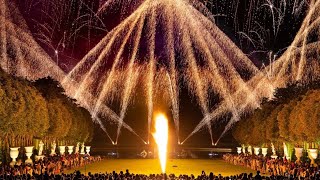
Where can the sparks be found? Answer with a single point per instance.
(205, 58)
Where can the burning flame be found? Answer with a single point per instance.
(161, 138)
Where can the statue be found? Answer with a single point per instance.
(41, 144)
(82, 149)
(274, 155)
(285, 151)
(250, 150)
(273, 149)
(53, 148)
(77, 148)
(243, 149)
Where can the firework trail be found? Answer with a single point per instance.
(159, 46)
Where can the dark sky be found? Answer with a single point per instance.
(79, 26)
(73, 27)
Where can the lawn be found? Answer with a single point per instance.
(176, 166)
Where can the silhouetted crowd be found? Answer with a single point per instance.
(48, 166)
(127, 176)
(54, 168)
(279, 167)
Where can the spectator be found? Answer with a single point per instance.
(258, 176)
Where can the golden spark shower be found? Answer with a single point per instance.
(156, 50)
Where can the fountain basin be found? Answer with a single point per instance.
(264, 151)
(239, 150)
(88, 149)
(70, 149)
(14, 153)
(62, 150)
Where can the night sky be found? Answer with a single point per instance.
(74, 27)
(251, 24)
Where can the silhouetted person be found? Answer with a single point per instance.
(211, 176)
(203, 173)
(245, 177)
(258, 176)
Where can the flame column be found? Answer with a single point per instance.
(161, 138)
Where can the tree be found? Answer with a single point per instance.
(272, 128)
(37, 118)
(293, 116)
(82, 128)
(303, 118)
(284, 121)
(242, 131)
(13, 108)
(39, 109)
(23, 111)
(59, 119)
(68, 122)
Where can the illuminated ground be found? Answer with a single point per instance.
(176, 166)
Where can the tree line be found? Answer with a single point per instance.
(39, 110)
(292, 117)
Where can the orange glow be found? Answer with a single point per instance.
(161, 138)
